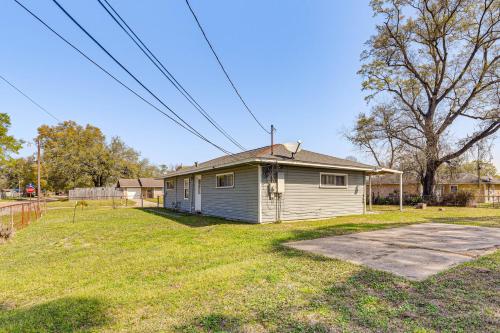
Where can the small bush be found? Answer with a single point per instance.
(5, 233)
(461, 198)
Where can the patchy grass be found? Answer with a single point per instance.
(134, 270)
(90, 203)
(155, 200)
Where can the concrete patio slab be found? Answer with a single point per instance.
(415, 252)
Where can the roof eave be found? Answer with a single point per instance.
(373, 170)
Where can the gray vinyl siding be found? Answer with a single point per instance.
(237, 203)
(305, 199)
(174, 198)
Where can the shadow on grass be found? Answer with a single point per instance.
(463, 299)
(216, 322)
(489, 221)
(190, 220)
(69, 314)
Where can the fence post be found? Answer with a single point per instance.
(142, 201)
(158, 202)
(22, 215)
(11, 219)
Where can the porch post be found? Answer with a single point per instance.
(401, 191)
(370, 193)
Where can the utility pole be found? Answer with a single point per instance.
(39, 193)
(272, 139)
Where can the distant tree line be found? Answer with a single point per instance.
(73, 156)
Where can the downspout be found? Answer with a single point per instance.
(259, 194)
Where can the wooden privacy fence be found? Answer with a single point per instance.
(95, 193)
(19, 215)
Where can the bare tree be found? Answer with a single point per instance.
(372, 134)
(436, 62)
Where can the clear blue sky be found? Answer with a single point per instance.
(294, 61)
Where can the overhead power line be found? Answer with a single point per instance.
(130, 73)
(29, 98)
(118, 80)
(159, 65)
(224, 69)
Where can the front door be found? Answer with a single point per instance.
(197, 193)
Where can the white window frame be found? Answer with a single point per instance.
(333, 174)
(171, 182)
(453, 185)
(186, 188)
(223, 174)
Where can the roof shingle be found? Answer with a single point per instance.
(280, 153)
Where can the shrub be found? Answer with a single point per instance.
(461, 198)
(5, 233)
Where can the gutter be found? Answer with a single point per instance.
(294, 163)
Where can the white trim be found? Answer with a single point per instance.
(223, 174)
(364, 193)
(197, 191)
(184, 189)
(259, 194)
(317, 165)
(296, 163)
(333, 174)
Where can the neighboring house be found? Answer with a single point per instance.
(8, 193)
(261, 186)
(136, 188)
(486, 189)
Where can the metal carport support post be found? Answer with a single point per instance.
(401, 191)
(370, 193)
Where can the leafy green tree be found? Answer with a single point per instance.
(74, 156)
(485, 168)
(8, 144)
(77, 156)
(20, 172)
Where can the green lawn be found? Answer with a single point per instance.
(155, 200)
(90, 203)
(131, 270)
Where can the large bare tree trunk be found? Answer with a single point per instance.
(429, 179)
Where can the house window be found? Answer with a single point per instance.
(170, 185)
(225, 180)
(453, 188)
(333, 180)
(186, 188)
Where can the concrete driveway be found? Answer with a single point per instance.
(414, 252)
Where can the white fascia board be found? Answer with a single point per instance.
(317, 165)
(272, 161)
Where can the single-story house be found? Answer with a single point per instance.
(136, 188)
(9, 193)
(271, 184)
(485, 188)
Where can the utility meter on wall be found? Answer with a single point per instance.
(281, 183)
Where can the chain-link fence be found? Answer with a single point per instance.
(19, 215)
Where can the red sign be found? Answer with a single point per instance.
(30, 190)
